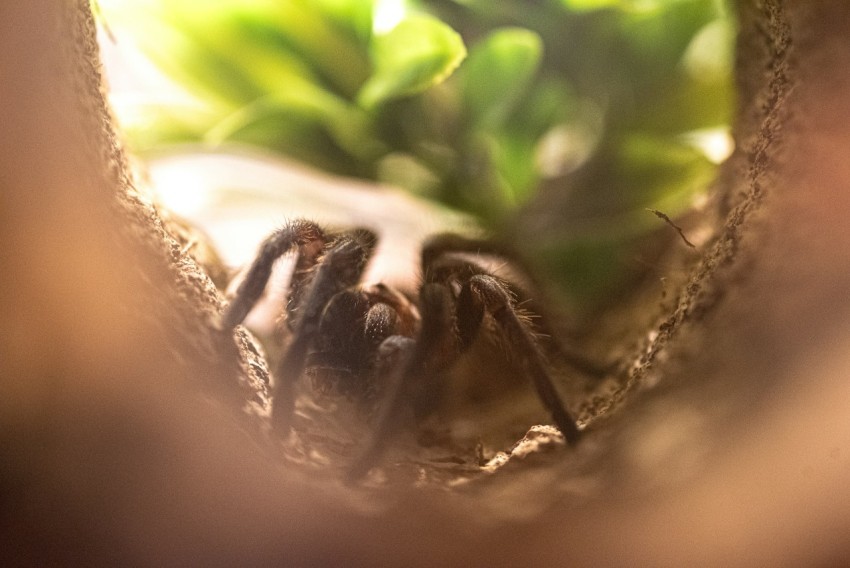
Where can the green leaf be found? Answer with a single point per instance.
(306, 103)
(317, 38)
(513, 159)
(418, 53)
(151, 125)
(353, 16)
(625, 5)
(498, 72)
(586, 5)
(197, 57)
(660, 172)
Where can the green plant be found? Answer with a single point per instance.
(490, 107)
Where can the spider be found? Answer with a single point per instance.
(365, 338)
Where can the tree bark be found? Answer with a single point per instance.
(123, 416)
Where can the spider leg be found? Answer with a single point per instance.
(340, 267)
(448, 329)
(491, 295)
(343, 355)
(480, 292)
(410, 369)
(336, 356)
(437, 261)
(391, 364)
(304, 235)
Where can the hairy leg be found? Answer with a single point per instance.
(411, 371)
(340, 267)
(481, 292)
(391, 364)
(443, 258)
(336, 359)
(305, 236)
(491, 295)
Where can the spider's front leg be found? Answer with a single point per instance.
(339, 268)
(411, 370)
(306, 237)
(341, 261)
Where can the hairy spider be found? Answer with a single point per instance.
(368, 338)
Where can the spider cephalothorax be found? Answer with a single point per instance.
(361, 340)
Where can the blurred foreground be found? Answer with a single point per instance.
(121, 444)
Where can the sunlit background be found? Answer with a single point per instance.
(554, 123)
